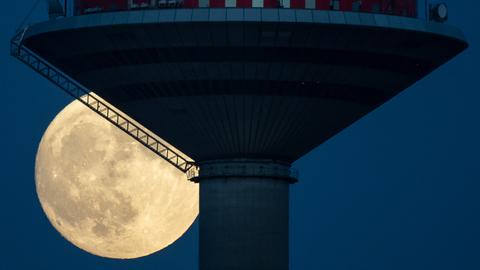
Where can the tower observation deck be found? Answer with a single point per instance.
(244, 88)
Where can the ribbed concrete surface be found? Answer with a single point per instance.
(239, 126)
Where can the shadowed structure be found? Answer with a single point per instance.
(245, 92)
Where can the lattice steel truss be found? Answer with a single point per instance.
(114, 116)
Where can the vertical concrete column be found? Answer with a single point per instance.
(244, 215)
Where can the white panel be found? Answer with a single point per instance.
(141, 4)
(336, 4)
(286, 3)
(230, 3)
(203, 3)
(257, 3)
(310, 4)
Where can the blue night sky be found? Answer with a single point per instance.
(400, 189)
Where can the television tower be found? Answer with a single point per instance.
(243, 87)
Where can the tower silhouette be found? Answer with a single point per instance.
(243, 87)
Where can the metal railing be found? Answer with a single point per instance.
(79, 92)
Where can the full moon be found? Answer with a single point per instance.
(105, 192)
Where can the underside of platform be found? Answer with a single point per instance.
(245, 87)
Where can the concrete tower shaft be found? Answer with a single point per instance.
(244, 220)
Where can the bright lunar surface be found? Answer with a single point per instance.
(105, 192)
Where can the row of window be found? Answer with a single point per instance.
(406, 8)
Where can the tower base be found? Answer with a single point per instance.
(244, 213)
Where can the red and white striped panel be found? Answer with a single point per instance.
(308, 4)
(231, 3)
(401, 7)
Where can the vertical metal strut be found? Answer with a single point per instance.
(114, 116)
